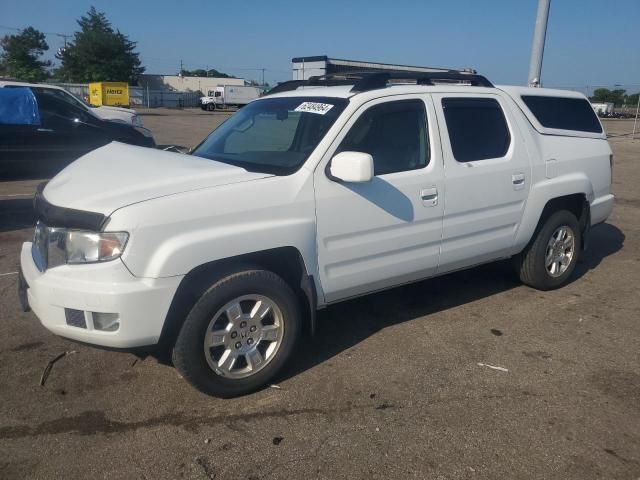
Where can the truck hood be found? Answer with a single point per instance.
(108, 109)
(118, 175)
(117, 114)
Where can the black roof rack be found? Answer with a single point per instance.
(324, 81)
(380, 79)
(365, 81)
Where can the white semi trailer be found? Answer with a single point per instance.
(604, 108)
(228, 96)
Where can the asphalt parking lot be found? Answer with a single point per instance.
(390, 387)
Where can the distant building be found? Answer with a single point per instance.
(305, 67)
(180, 83)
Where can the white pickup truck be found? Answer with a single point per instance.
(330, 189)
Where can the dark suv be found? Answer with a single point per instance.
(42, 130)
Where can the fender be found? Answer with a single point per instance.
(285, 261)
(173, 235)
(540, 194)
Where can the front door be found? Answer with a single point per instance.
(487, 176)
(387, 231)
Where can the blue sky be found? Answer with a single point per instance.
(589, 42)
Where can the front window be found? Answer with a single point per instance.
(63, 96)
(273, 135)
(56, 108)
(394, 134)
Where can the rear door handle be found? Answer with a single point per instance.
(429, 196)
(518, 181)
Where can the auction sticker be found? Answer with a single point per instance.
(313, 107)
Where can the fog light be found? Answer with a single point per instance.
(75, 318)
(106, 322)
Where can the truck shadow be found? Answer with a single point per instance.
(344, 325)
(385, 196)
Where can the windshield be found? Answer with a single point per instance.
(272, 135)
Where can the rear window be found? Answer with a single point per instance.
(563, 113)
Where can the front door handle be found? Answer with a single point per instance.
(429, 196)
(518, 181)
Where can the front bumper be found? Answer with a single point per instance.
(141, 304)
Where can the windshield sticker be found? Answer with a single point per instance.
(313, 107)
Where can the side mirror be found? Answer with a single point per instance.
(356, 167)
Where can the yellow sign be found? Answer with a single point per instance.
(115, 94)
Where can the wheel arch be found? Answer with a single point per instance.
(576, 203)
(572, 191)
(287, 262)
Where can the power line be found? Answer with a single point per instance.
(16, 29)
(64, 36)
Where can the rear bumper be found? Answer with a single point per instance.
(601, 208)
(140, 304)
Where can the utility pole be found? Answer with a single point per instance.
(635, 122)
(262, 76)
(537, 49)
(64, 37)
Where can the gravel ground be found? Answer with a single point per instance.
(389, 388)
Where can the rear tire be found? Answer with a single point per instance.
(244, 313)
(549, 260)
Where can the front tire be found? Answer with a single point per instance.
(239, 334)
(548, 262)
(211, 107)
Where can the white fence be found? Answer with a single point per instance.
(142, 97)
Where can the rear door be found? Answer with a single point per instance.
(387, 231)
(487, 178)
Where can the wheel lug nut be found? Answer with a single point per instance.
(234, 334)
(238, 344)
(250, 341)
(253, 328)
(243, 324)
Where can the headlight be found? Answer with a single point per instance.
(136, 120)
(89, 247)
(59, 246)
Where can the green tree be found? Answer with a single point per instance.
(99, 53)
(631, 100)
(201, 72)
(21, 54)
(602, 95)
